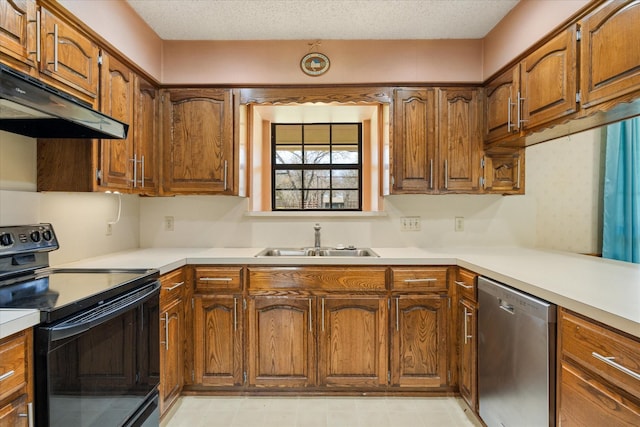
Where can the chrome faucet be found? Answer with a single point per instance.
(317, 236)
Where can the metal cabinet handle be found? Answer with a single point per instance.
(463, 285)
(509, 105)
(310, 315)
(175, 285)
(467, 315)
(215, 279)
(166, 331)
(518, 177)
(446, 174)
(28, 415)
(142, 164)
(235, 314)
(38, 37)
(6, 375)
(425, 279)
(226, 169)
(55, 47)
(397, 314)
(431, 174)
(521, 121)
(134, 181)
(609, 360)
(322, 314)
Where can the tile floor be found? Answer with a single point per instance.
(216, 411)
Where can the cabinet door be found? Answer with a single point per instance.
(218, 346)
(501, 97)
(198, 141)
(17, 31)
(460, 140)
(609, 53)
(419, 346)
(548, 80)
(281, 343)
(468, 353)
(171, 353)
(146, 137)
(117, 100)
(15, 413)
(414, 141)
(69, 57)
(586, 401)
(504, 172)
(353, 342)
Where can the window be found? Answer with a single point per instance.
(316, 167)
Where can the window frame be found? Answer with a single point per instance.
(323, 166)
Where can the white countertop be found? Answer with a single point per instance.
(604, 290)
(16, 320)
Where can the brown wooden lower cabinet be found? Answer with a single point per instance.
(353, 341)
(16, 387)
(281, 346)
(419, 356)
(468, 352)
(218, 340)
(597, 385)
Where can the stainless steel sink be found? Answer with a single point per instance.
(307, 252)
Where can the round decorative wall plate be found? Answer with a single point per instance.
(314, 64)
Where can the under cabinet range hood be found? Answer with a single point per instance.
(32, 108)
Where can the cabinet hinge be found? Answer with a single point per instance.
(578, 96)
(389, 303)
(244, 376)
(388, 377)
(98, 175)
(482, 162)
(244, 304)
(393, 181)
(578, 35)
(99, 59)
(193, 303)
(449, 376)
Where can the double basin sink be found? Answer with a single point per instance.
(311, 252)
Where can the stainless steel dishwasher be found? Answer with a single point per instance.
(516, 357)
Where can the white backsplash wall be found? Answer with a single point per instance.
(217, 221)
(565, 176)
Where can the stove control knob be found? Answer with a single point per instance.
(35, 236)
(46, 235)
(6, 239)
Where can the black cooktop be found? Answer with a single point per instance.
(58, 293)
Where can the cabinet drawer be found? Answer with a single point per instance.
(466, 284)
(419, 278)
(602, 351)
(210, 279)
(318, 278)
(13, 362)
(173, 284)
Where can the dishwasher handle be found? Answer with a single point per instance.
(509, 308)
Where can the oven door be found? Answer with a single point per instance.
(100, 367)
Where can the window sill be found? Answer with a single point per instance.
(322, 214)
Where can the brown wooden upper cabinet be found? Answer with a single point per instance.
(17, 33)
(197, 141)
(437, 140)
(68, 57)
(146, 138)
(539, 89)
(609, 53)
(504, 172)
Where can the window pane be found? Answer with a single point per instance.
(288, 155)
(345, 134)
(345, 199)
(288, 179)
(313, 199)
(288, 134)
(317, 179)
(317, 154)
(288, 199)
(345, 179)
(345, 155)
(317, 134)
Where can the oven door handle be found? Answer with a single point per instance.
(103, 313)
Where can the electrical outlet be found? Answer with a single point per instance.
(410, 223)
(109, 229)
(168, 223)
(459, 223)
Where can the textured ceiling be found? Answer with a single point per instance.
(321, 19)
